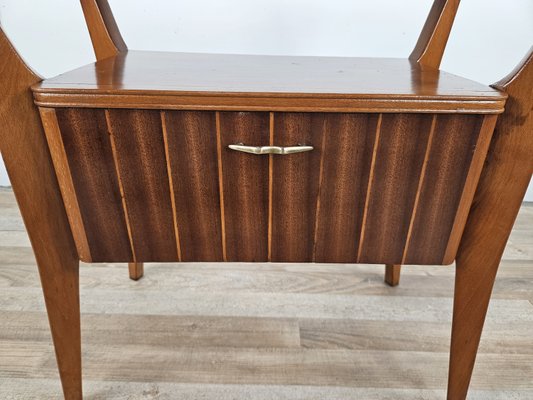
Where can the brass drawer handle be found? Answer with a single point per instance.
(270, 149)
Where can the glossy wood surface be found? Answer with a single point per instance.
(31, 172)
(139, 79)
(502, 186)
(171, 189)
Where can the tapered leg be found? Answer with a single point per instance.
(473, 287)
(60, 282)
(503, 183)
(136, 270)
(392, 274)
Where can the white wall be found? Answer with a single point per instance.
(489, 39)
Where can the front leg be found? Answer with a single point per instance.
(502, 186)
(59, 274)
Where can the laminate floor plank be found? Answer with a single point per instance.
(272, 366)
(514, 278)
(48, 389)
(266, 305)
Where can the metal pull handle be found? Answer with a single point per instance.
(270, 149)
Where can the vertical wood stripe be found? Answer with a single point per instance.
(171, 184)
(121, 187)
(295, 187)
(270, 184)
(474, 173)
(64, 177)
(193, 159)
(221, 186)
(347, 149)
(245, 178)
(140, 156)
(451, 154)
(419, 188)
(369, 186)
(320, 181)
(399, 159)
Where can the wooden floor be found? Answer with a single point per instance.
(263, 331)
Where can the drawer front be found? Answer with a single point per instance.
(146, 185)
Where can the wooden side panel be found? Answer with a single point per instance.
(245, 185)
(295, 182)
(88, 150)
(192, 152)
(347, 154)
(391, 196)
(140, 157)
(450, 155)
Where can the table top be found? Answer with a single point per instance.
(143, 79)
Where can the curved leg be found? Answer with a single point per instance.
(392, 274)
(136, 270)
(29, 165)
(499, 194)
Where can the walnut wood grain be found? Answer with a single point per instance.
(470, 185)
(140, 158)
(399, 160)
(265, 83)
(192, 151)
(295, 187)
(347, 153)
(245, 186)
(502, 186)
(365, 193)
(450, 155)
(88, 150)
(31, 173)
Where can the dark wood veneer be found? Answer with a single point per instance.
(377, 188)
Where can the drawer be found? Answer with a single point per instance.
(149, 185)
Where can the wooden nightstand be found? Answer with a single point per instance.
(154, 156)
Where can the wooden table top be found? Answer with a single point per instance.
(142, 79)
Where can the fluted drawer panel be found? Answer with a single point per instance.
(86, 142)
(191, 138)
(295, 181)
(449, 155)
(245, 186)
(396, 171)
(349, 141)
(137, 139)
(377, 188)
